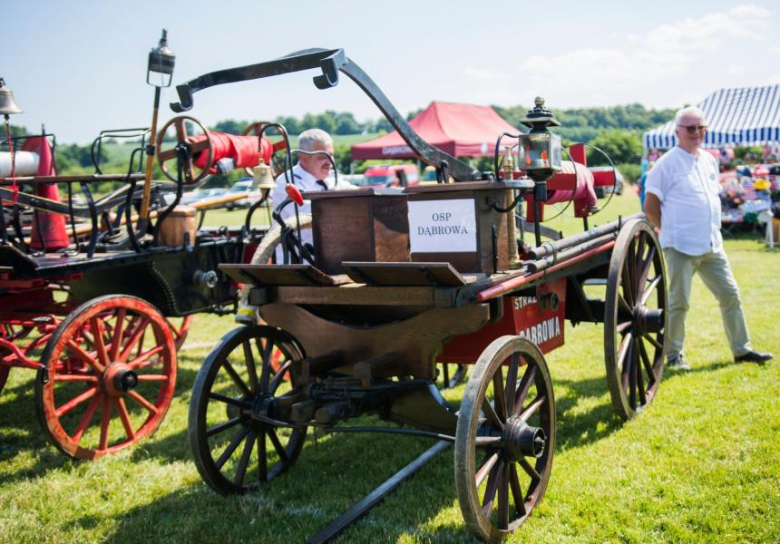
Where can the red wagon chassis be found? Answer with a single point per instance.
(100, 320)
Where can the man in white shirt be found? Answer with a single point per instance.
(312, 173)
(682, 201)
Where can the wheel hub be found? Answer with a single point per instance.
(119, 379)
(263, 406)
(521, 440)
(646, 320)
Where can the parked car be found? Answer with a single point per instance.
(605, 190)
(355, 179)
(245, 185)
(388, 175)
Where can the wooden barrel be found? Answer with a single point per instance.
(181, 221)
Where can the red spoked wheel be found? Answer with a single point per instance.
(180, 328)
(111, 375)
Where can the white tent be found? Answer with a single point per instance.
(741, 116)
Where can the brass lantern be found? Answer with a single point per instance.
(161, 60)
(540, 150)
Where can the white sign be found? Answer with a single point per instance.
(442, 226)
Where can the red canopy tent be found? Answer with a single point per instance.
(462, 130)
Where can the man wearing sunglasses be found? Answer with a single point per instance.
(682, 201)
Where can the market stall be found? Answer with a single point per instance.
(462, 130)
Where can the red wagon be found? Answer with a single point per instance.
(98, 302)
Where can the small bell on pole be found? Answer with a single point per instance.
(8, 105)
(263, 179)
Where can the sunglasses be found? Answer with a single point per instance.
(694, 128)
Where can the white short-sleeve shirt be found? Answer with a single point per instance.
(688, 188)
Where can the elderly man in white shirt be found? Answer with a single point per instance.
(312, 173)
(682, 201)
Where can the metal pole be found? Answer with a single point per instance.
(370, 500)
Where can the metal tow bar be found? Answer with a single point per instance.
(372, 499)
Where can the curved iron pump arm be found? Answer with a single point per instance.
(331, 62)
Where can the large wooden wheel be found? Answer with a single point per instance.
(635, 319)
(505, 438)
(111, 376)
(235, 437)
(167, 154)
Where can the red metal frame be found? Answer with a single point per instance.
(524, 316)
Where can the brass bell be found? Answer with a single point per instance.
(8, 105)
(263, 179)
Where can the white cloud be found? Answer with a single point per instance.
(655, 60)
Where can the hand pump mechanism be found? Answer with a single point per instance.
(159, 74)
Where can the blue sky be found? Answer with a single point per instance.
(79, 67)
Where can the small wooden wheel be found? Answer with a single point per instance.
(635, 319)
(505, 438)
(237, 432)
(254, 129)
(112, 360)
(165, 155)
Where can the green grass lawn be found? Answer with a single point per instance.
(702, 464)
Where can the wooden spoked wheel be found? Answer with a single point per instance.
(635, 319)
(236, 432)
(167, 154)
(254, 130)
(111, 376)
(505, 438)
(450, 375)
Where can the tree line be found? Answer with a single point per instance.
(615, 130)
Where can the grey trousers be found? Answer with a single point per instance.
(715, 272)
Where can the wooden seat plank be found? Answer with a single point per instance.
(282, 274)
(411, 274)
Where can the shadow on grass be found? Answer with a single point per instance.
(576, 429)
(326, 481)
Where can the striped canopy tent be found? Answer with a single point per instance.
(741, 116)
